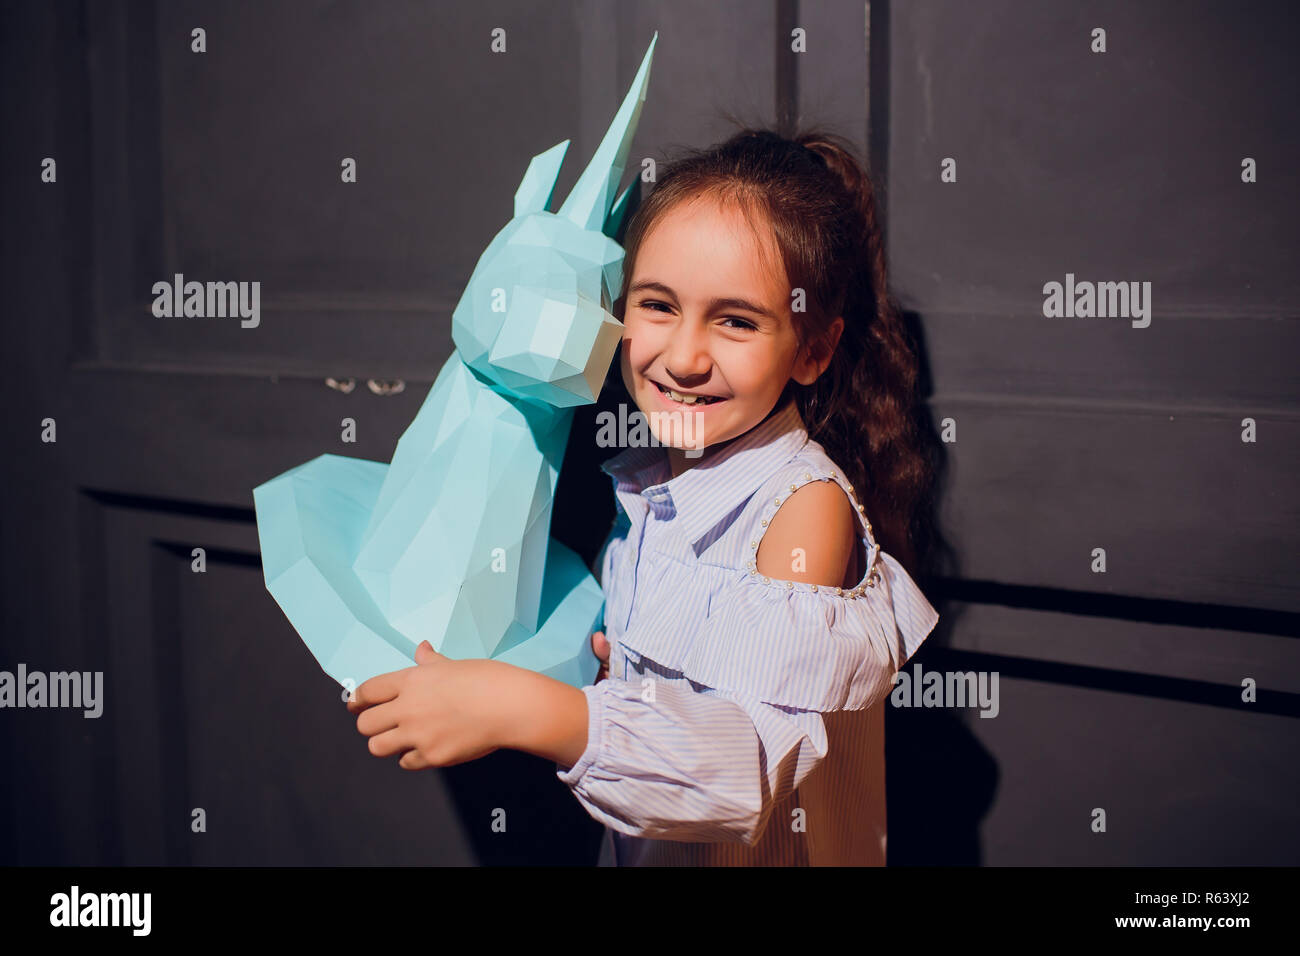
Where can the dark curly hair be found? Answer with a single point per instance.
(816, 198)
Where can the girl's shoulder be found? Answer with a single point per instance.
(809, 464)
(786, 643)
(825, 647)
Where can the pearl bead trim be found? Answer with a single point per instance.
(873, 572)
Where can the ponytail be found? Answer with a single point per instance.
(883, 370)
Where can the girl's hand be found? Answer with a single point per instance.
(436, 714)
(600, 647)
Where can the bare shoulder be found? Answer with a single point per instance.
(811, 537)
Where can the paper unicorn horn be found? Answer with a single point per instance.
(450, 542)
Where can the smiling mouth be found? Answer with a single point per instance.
(684, 398)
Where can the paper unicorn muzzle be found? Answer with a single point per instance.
(450, 543)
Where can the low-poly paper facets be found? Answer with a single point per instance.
(450, 543)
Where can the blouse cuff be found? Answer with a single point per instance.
(595, 720)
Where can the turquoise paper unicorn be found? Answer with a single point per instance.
(450, 542)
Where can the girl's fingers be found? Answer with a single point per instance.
(377, 720)
(388, 743)
(600, 647)
(411, 760)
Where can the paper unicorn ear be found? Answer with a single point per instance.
(451, 542)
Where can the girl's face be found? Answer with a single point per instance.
(707, 315)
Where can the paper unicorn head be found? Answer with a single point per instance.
(451, 542)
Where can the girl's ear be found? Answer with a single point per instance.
(814, 359)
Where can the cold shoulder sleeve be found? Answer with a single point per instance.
(810, 646)
(705, 758)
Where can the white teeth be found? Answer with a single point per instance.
(686, 399)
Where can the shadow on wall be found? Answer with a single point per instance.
(940, 780)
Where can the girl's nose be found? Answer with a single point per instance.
(687, 356)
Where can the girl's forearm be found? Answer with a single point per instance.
(543, 716)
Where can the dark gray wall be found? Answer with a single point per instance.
(1121, 690)
(1118, 690)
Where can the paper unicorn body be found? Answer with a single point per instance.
(450, 542)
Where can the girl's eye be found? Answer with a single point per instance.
(744, 323)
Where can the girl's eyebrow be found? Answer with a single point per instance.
(732, 302)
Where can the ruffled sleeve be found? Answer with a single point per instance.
(807, 646)
(769, 660)
(681, 764)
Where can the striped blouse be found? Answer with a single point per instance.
(728, 689)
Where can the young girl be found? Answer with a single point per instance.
(754, 615)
